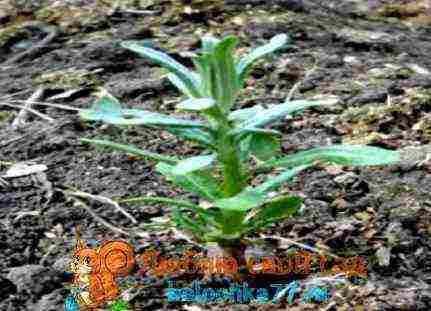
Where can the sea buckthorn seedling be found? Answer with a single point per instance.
(221, 175)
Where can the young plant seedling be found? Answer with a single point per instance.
(229, 138)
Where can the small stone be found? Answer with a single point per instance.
(418, 69)
(379, 72)
(50, 235)
(237, 20)
(346, 179)
(333, 61)
(384, 256)
(62, 264)
(352, 60)
(334, 170)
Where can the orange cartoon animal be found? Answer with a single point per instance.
(95, 271)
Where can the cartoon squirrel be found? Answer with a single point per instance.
(95, 271)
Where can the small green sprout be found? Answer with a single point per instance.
(118, 305)
(229, 138)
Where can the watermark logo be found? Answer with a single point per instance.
(95, 271)
(242, 294)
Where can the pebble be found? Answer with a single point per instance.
(384, 256)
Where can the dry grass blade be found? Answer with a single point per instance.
(305, 246)
(37, 103)
(24, 108)
(22, 115)
(105, 223)
(103, 200)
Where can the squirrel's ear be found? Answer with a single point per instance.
(79, 244)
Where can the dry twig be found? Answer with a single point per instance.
(105, 223)
(289, 241)
(104, 200)
(39, 114)
(22, 115)
(36, 103)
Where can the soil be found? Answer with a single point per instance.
(370, 56)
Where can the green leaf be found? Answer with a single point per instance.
(183, 221)
(206, 215)
(352, 155)
(200, 104)
(108, 110)
(187, 77)
(200, 183)
(193, 134)
(156, 200)
(207, 74)
(253, 130)
(243, 201)
(264, 146)
(193, 164)
(245, 63)
(226, 76)
(208, 44)
(131, 150)
(242, 115)
(274, 210)
(276, 112)
(180, 85)
(275, 182)
(244, 148)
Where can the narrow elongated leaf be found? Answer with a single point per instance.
(206, 215)
(276, 112)
(244, 201)
(244, 148)
(199, 183)
(200, 104)
(226, 75)
(185, 75)
(202, 137)
(259, 131)
(158, 200)
(244, 64)
(193, 164)
(108, 110)
(131, 150)
(274, 210)
(353, 155)
(183, 221)
(242, 115)
(275, 182)
(251, 198)
(180, 85)
(264, 146)
(208, 44)
(208, 87)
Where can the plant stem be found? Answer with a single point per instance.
(233, 177)
(228, 155)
